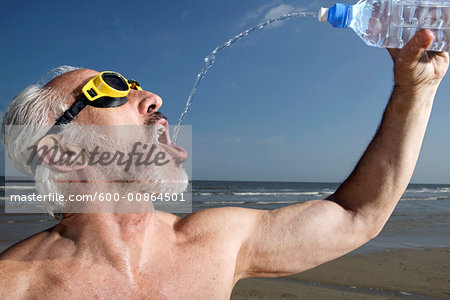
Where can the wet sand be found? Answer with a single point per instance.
(390, 274)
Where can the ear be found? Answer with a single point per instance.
(58, 157)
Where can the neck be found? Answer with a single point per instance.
(121, 240)
(123, 226)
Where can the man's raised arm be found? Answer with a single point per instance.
(384, 171)
(298, 237)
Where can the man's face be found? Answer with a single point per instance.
(141, 109)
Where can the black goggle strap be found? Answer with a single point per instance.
(105, 102)
(72, 112)
(78, 106)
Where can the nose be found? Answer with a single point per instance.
(147, 102)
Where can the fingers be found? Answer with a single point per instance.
(417, 46)
(433, 54)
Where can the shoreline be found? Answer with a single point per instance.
(388, 274)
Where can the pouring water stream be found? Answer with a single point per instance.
(211, 58)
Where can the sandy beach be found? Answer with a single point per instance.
(390, 274)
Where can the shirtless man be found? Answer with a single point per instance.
(201, 256)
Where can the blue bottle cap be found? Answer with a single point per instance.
(340, 15)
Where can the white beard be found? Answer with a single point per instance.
(169, 178)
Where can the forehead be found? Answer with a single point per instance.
(72, 82)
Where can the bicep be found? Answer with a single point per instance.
(296, 238)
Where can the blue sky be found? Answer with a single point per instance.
(295, 102)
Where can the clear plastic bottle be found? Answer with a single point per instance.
(392, 23)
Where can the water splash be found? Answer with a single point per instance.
(211, 58)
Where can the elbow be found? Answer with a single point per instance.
(369, 222)
(371, 226)
(374, 231)
(365, 232)
(365, 227)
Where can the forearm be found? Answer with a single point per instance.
(385, 169)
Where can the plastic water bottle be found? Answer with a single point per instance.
(392, 23)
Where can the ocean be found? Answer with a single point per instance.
(420, 220)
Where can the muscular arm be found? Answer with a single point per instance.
(295, 238)
(384, 171)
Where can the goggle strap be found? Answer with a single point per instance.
(105, 102)
(72, 112)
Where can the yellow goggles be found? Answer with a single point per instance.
(109, 84)
(107, 89)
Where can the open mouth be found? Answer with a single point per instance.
(162, 130)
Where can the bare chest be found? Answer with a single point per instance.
(186, 275)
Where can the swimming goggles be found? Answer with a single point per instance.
(107, 89)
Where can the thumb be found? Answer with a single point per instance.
(417, 46)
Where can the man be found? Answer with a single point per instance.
(201, 256)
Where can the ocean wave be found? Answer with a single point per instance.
(278, 193)
(48, 220)
(222, 202)
(424, 198)
(428, 190)
(275, 202)
(246, 202)
(18, 187)
(274, 193)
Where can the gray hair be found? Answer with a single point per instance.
(35, 107)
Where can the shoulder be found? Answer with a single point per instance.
(222, 232)
(16, 277)
(19, 268)
(230, 222)
(25, 249)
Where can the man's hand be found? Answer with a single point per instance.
(414, 67)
